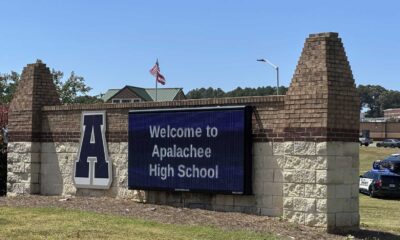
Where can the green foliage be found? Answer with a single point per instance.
(70, 89)
(8, 86)
(370, 99)
(390, 99)
(199, 93)
(376, 99)
(86, 99)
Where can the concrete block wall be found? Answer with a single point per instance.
(305, 153)
(321, 183)
(57, 161)
(23, 167)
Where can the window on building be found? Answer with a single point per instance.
(127, 100)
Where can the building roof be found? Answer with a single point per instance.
(109, 94)
(148, 94)
(140, 91)
(163, 94)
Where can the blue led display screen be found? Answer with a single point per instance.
(199, 150)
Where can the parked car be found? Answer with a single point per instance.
(365, 141)
(380, 183)
(389, 143)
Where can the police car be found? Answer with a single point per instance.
(383, 179)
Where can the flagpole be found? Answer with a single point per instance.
(156, 88)
(157, 79)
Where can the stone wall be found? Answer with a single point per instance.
(305, 150)
(321, 183)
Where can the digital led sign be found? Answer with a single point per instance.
(191, 149)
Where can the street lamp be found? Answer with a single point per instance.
(277, 72)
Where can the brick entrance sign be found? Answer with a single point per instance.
(305, 144)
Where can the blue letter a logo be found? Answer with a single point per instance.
(93, 168)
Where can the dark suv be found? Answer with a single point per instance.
(389, 143)
(380, 183)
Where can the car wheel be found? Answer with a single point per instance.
(372, 192)
(392, 146)
(366, 144)
(378, 145)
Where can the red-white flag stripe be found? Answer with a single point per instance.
(155, 70)
(160, 78)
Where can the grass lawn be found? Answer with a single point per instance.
(378, 214)
(55, 223)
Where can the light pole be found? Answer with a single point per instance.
(277, 72)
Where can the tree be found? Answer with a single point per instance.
(370, 99)
(72, 88)
(238, 92)
(205, 93)
(88, 99)
(389, 99)
(8, 86)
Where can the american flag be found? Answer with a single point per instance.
(160, 78)
(155, 71)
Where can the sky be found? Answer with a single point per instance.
(205, 43)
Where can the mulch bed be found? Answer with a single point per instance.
(184, 216)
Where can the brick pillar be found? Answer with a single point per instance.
(35, 89)
(322, 125)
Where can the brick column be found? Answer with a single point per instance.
(321, 138)
(35, 90)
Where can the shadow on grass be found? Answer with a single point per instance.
(392, 198)
(369, 234)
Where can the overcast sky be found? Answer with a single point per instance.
(205, 43)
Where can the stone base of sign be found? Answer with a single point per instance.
(23, 168)
(305, 182)
(53, 164)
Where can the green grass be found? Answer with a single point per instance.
(378, 214)
(56, 223)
